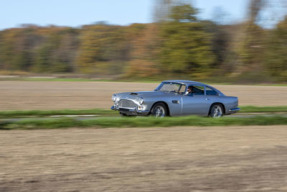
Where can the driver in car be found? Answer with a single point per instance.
(189, 91)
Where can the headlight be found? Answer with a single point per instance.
(140, 100)
(114, 98)
(141, 107)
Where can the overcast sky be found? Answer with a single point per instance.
(75, 13)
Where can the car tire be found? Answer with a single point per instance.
(159, 110)
(216, 111)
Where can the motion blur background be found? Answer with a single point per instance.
(243, 41)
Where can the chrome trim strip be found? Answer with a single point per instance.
(130, 110)
(234, 109)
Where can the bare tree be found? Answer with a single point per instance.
(254, 9)
(162, 8)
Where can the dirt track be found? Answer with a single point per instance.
(152, 159)
(17, 95)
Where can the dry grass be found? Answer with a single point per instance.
(25, 95)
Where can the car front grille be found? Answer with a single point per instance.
(125, 103)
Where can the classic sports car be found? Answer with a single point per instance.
(175, 98)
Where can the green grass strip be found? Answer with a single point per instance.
(269, 109)
(141, 122)
(40, 113)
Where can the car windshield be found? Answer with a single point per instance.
(169, 87)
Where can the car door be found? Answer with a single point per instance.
(196, 103)
(175, 102)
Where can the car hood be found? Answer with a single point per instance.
(141, 94)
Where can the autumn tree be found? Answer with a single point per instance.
(57, 50)
(143, 41)
(7, 49)
(275, 55)
(101, 46)
(251, 44)
(186, 46)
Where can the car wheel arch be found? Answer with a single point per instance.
(217, 103)
(167, 107)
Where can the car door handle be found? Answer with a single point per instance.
(206, 99)
(175, 101)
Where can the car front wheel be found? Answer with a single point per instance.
(216, 111)
(159, 110)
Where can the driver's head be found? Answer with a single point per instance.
(189, 89)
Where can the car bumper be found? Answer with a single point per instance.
(130, 111)
(234, 110)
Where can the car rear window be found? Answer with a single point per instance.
(210, 91)
(198, 90)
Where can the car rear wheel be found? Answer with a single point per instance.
(159, 110)
(216, 111)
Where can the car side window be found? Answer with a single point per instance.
(210, 91)
(182, 89)
(197, 90)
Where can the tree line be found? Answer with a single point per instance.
(181, 45)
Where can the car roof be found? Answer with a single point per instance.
(185, 82)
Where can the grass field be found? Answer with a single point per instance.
(140, 122)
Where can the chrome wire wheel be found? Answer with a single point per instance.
(159, 110)
(216, 111)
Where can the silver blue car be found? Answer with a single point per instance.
(176, 98)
